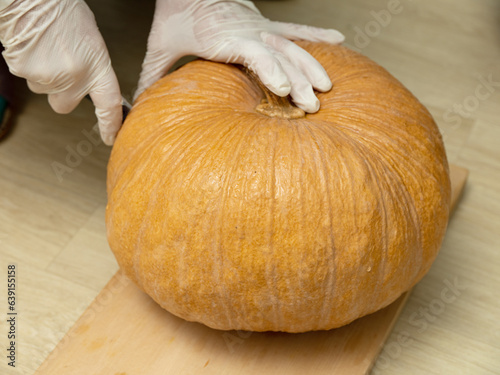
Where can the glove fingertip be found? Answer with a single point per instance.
(316, 34)
(109, 129)
(334, 36)
(109, 119)
(62, 103)
(108, 138)
(323, 85)
(305, 32)
(275, 80)
(309, 106)
(282, 89)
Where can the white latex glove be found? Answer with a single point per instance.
(56, 46)
(234, 31)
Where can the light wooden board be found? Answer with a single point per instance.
(124, 332)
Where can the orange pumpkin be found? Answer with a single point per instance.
(238, 220)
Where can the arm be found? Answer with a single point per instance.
(56, 46)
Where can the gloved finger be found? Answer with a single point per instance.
(304, 32)
(63, 98)
(107, 100)
(302, 92)
(261, 60)
(154, 67)
(61, 102)
(64, 102)
(307, 64)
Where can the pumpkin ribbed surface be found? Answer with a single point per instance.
(237, 220)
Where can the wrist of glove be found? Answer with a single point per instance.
(56, 46)
(235, 32)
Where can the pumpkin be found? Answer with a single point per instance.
(255, 216)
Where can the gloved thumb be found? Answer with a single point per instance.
(154, 67)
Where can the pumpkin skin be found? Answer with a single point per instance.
(237, 220)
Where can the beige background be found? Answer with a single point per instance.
(446, 52)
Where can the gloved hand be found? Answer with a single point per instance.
(234, 31)
(56, 46)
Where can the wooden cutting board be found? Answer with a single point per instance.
(124, 332)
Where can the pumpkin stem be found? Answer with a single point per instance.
(273, 105)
